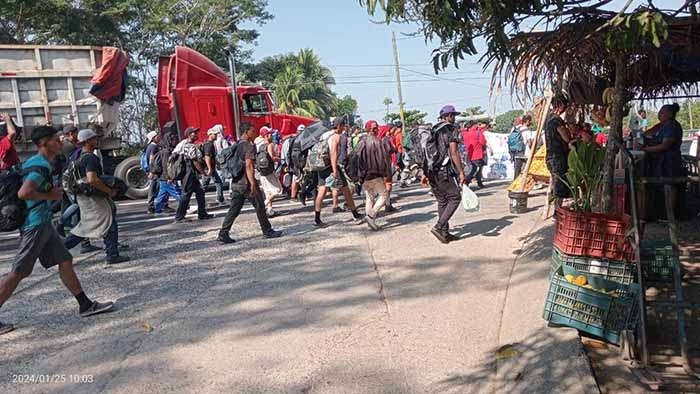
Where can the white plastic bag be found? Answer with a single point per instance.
(470, 201)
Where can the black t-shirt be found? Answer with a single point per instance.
(446, 135)
(245, 151)
(91, 163)
(556, 147)
(208, 149)
(151, 150)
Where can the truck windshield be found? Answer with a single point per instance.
(255, 103)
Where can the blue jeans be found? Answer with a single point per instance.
(111, 240)
(72, 211)
(165, 191)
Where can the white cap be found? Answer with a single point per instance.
(86, 134)
(150, 136)
(217, 129)
(301, 128)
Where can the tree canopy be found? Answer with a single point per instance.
(506, 120)
(412, 117)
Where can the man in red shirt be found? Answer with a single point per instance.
(475, 144)
(8, 154)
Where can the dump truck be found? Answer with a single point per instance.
(51, 85)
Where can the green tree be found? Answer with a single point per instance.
(473, 111)
(506, 120)
(387, 102)
(412, 117)
(346, 106)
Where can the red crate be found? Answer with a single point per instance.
(593, 235)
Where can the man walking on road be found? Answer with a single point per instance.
(98, 214)
(444, 167)
(209, 151)
(38, 238)
(374, 170)
(151, 149)
(190, 183)
(245, 186)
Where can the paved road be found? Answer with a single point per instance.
(338, 310)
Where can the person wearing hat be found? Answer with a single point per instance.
(38, 239)
(98, 214)
(152, 148)
(209, 152)
(190, 183)
(446, 175)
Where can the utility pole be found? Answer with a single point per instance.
(690, 112)
(234, 95)
(398, 79)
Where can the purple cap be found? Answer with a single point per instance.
(447, 110)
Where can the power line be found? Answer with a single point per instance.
(441, 78)
(390, 65)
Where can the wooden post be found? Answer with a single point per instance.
(615, 133)
(540, 127)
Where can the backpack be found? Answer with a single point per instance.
(13, 210)
(176, 167)
(156, 167)
(231, 162)
(515, 141)
(352, 166)
(433, 159)
(263, 161)
(319, 156)
(73, 182)
(297, 157)
(419, 137)
(144, 162)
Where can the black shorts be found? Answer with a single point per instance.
(41, 243)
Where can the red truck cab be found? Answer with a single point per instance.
(194, 92)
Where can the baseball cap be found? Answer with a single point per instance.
(191, 130)
(217, 129)
(265, 131)
(150, 136)
(301, 128)
(42, 132)
(69, 128)
(86, 134)
(371, 124)
(447, 110)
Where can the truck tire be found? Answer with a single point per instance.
(129, 170)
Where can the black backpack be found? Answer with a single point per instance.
(263, 161)
(73, 180)
(419, 138)
(156, 166)
(13, 210)
(432, 158)
(352, 166)
(176, 167)
(298, 157)
(229, 160)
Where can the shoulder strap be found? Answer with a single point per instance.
(41, 170)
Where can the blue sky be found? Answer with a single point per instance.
(360, 55)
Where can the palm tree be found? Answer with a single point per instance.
(387, 102)
(303, 88)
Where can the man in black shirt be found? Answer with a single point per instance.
(558, 138)
(246, 187)
(210, 172)
(98, 213)
(441, 177)
(190, 183)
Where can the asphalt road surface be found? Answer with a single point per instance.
(335, 310)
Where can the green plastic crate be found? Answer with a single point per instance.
(616, 271)
(658, 260)
(590, 311)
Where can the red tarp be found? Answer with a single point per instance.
(107, 84)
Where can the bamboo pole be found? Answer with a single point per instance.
(538, 135)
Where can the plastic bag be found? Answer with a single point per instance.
(470, 201)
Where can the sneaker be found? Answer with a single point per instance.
(225, 238)
(451, 237)
(97, 308)
(372, 223)
(192, 210)
(5, 328)
(89, 248)
(206, 216)
(273, 234)
(320, 224)
(271, 213)
(117, 260)
(390, 209)
(439, 235)
(182, 220)
(151, 211)
(338, 210)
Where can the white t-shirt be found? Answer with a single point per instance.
(528, 138)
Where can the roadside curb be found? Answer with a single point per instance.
(531, 357)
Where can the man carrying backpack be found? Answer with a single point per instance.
(443, 169)
(209, 152)
(98, 214)
(192, 157)
(245, 186)
(167, 187)
(374, 170)
(38, 239)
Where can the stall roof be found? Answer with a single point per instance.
(578, 51)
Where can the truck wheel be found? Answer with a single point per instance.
(131, 173)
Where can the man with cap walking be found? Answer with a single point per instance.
(151, 149)
(190, 183)
(444, 171)
(98, 214)
(38, 239)
(209, 151)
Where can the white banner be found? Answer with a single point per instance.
(498, 165)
